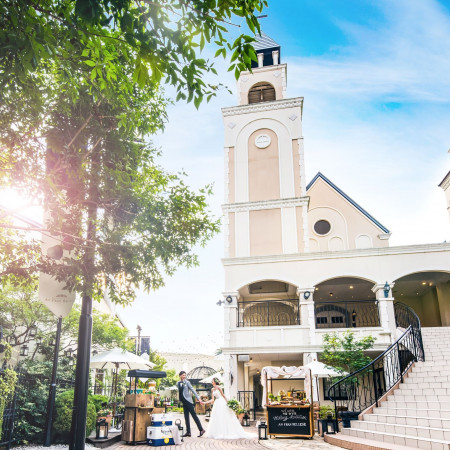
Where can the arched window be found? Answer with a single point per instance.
(261, 92)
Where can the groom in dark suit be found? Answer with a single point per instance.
(184, 386)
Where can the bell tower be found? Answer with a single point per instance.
(265, 192)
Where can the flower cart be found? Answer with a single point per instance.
(139, 406)
(290, 412)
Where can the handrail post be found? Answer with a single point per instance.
(375, 385)
(399, 363)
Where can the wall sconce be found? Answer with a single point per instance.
(387, 289)
(24, 350)
(229, 298)
(353, 318)
(306, 295)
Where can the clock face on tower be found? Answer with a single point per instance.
(262, 141)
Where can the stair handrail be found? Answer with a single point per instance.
(363, 388)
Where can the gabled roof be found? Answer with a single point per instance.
(264, 42)
(343, 194)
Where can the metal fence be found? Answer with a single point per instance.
(267, 313)
(6, 435)
(248, 401)
(347, 314)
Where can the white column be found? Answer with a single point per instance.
(275, 55)
(230, 312)
(260, 59)
(307, 317)
(385, 306)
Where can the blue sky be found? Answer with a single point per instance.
(375, 80)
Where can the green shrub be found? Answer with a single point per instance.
(64, 404)
(98, 399)
(326, 410)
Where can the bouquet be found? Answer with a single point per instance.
(234, 405)
(104, 413)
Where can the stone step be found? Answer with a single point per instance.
(353, 442)
(414, 404)
(399, 439)
(427, 389)
(420, 420)
(405, 395)
(404, 430)
(413, 412)
(422, 379)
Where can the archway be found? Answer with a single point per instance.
(345, 302)
(428, 294)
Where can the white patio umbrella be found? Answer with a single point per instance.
(217, 375)
(119, 359)
(320, 370)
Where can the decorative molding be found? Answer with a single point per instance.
(265, 204)
(385, 251)
(231, 125)
(264, 106)
(292, 117)
(384, 236)
(277, 74)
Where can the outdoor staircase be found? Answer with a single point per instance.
(417, 414)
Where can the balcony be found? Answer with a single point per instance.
(347, 314)
(268, 313)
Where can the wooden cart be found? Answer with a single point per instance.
(139, 408)
(293, 419)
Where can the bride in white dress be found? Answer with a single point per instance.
(223, 423)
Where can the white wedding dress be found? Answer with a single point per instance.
(223, 423)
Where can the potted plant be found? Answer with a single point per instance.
(240, 414)
(235, 406)
(104, 413)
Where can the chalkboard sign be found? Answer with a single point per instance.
(292, 421)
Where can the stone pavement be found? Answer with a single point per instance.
(196, 443)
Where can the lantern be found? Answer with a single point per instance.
(180, 428)
(24, 350)
(330, 425)
(246, 420)
(262, 430)
(101, 429)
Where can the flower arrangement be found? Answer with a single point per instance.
(104, 412)
(234, 405)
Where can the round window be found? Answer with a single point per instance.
(322, 227)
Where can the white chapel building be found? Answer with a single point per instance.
(301, 257)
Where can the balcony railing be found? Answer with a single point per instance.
(347, 314)
(268, 313)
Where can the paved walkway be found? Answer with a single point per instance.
(196, 443)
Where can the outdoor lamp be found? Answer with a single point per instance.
(101, 429)
(24, 350)
(246, 420)
(68, 352)
(354, 318)
(180, 428)
(33, 331)
(330, 425)
(387, 288)
(306, 295)
(229, 298)
(262, 430)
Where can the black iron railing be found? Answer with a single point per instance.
(347, 314)
(268, 313)
(362, 389)
(248, 401)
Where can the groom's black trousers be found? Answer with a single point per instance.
(190, 409)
